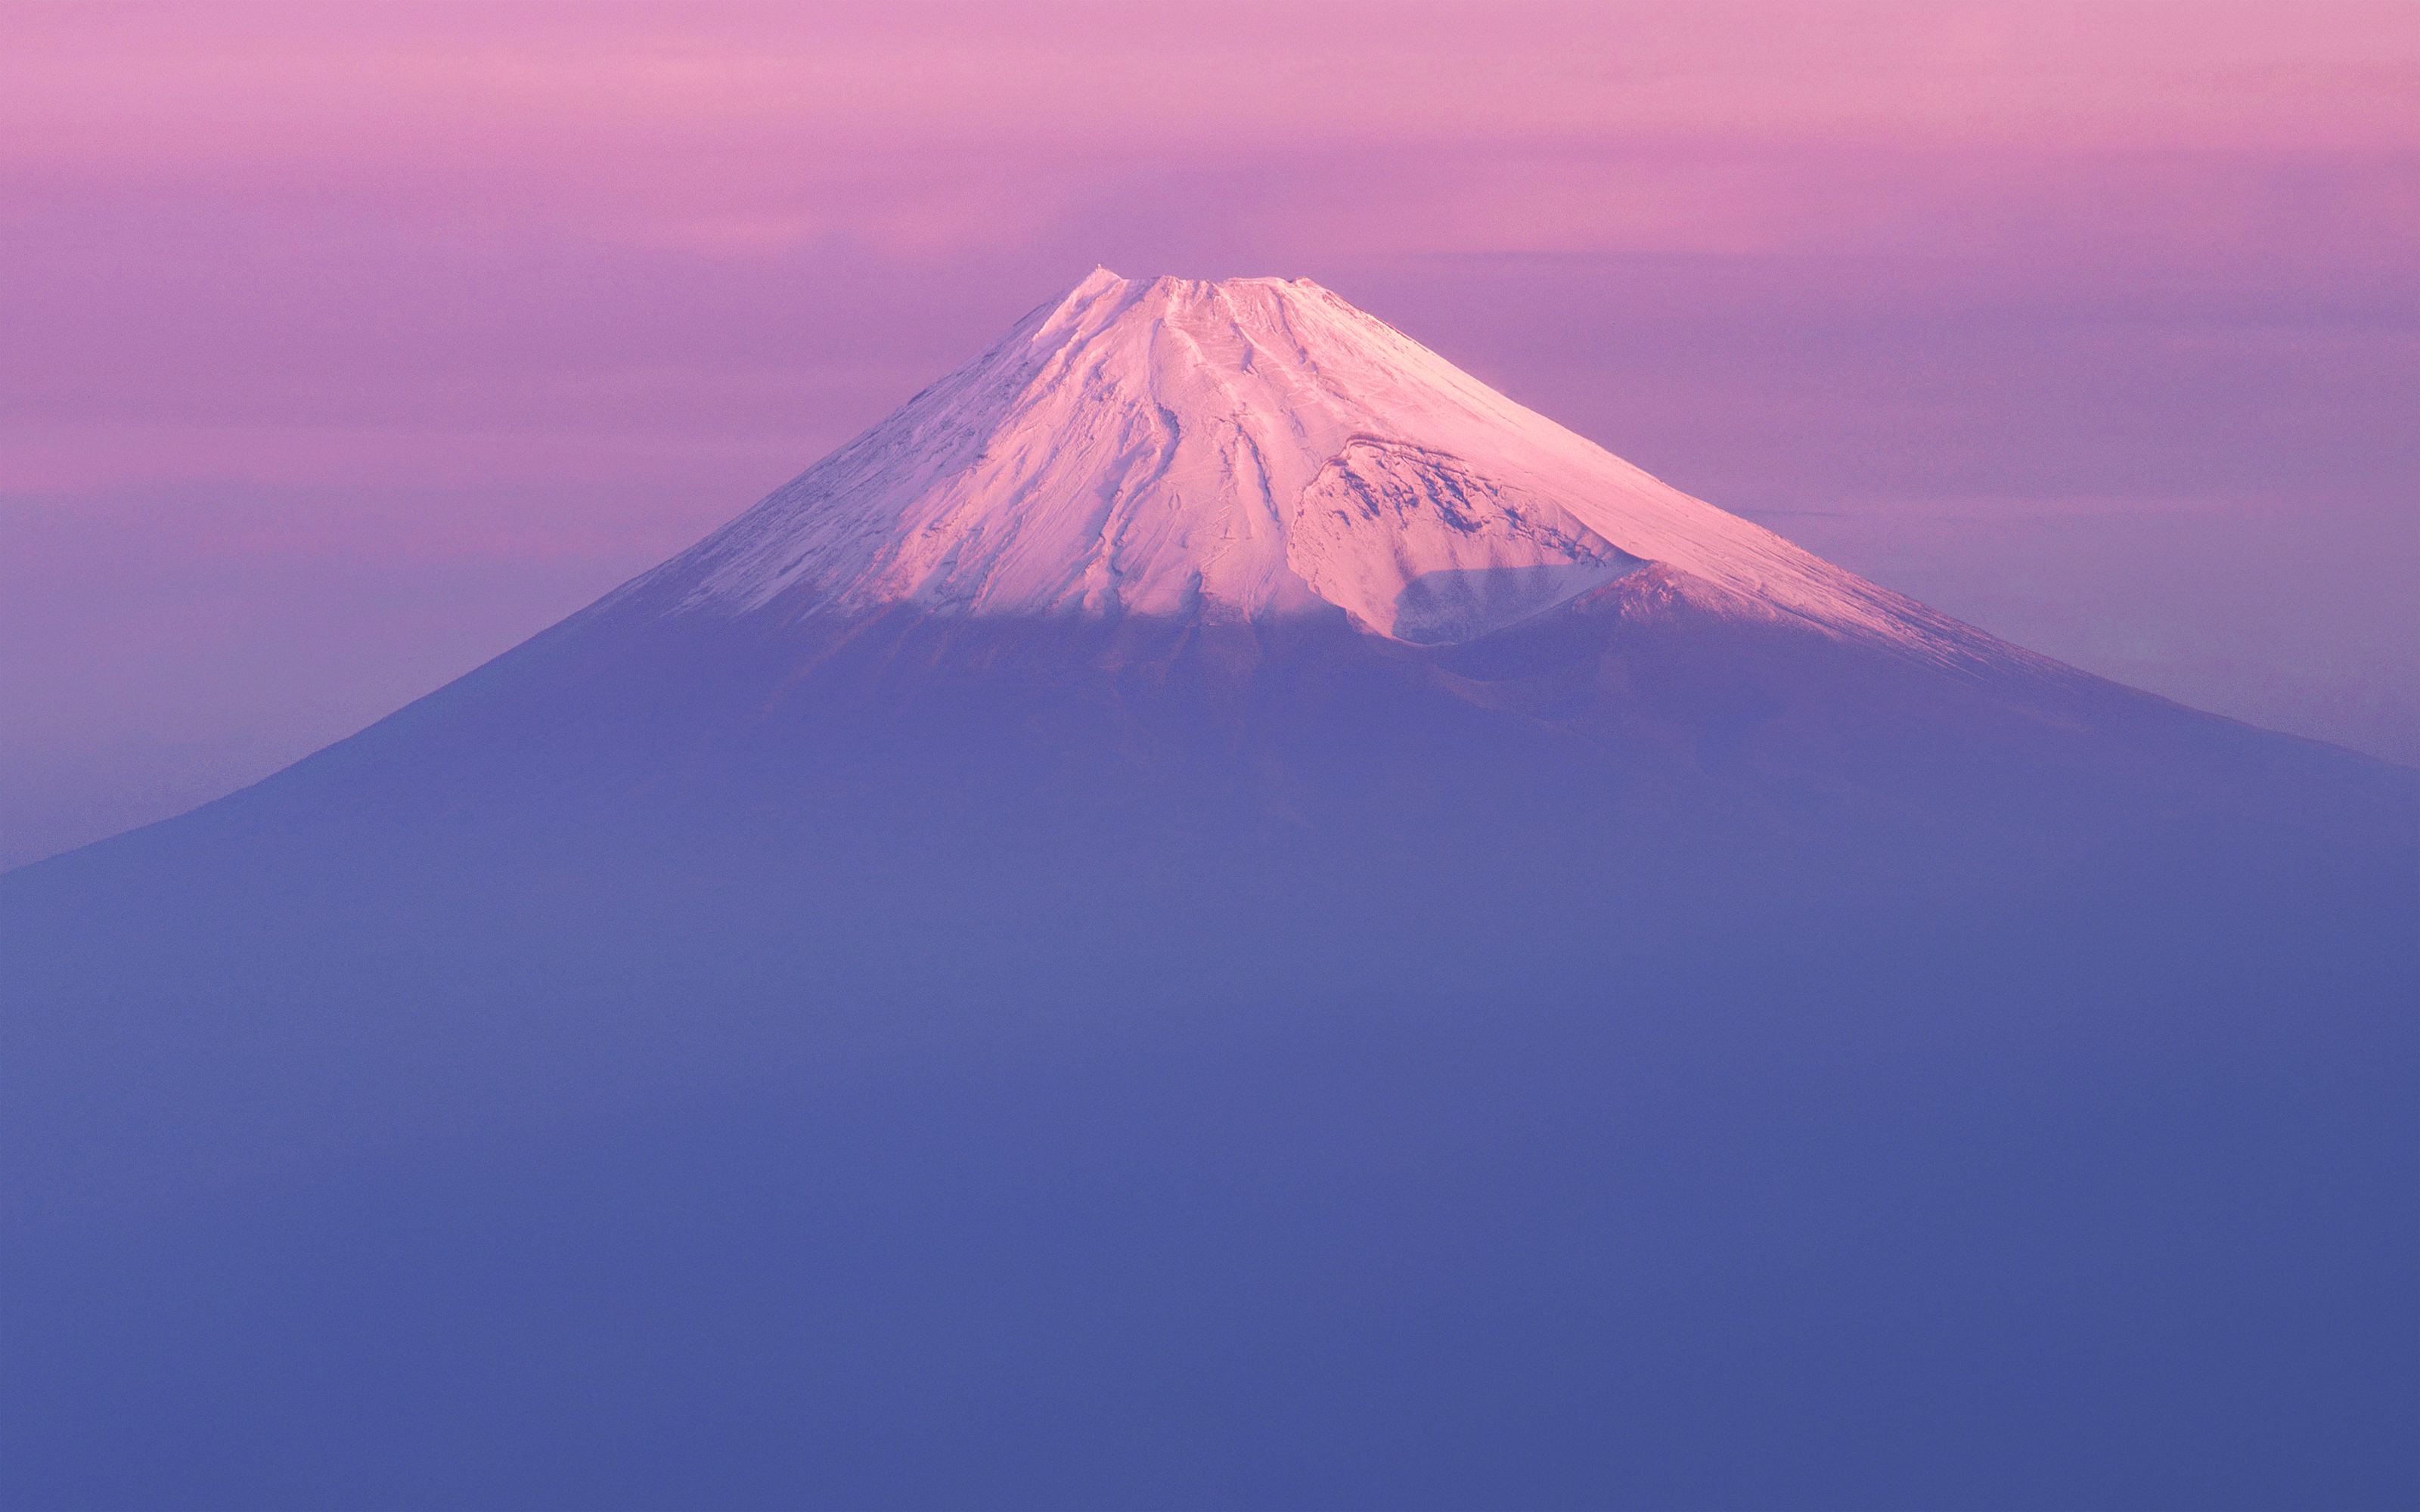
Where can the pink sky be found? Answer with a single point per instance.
(347, 344)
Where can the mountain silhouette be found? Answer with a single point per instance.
(1214, 913)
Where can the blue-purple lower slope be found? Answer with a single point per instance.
(1649, 1059)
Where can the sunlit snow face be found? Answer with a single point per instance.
(1235, 450)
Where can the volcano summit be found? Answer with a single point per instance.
(1216, 913)
(1236, 450)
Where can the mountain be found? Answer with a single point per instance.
(1214, 913)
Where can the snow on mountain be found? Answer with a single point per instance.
(1237, 449)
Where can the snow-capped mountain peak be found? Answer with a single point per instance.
(1231, 449)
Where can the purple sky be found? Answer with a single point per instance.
(347, 345)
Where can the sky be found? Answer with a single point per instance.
(344, 345)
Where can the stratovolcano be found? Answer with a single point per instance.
(1214, 913)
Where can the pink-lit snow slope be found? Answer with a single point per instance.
(1234, 450)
